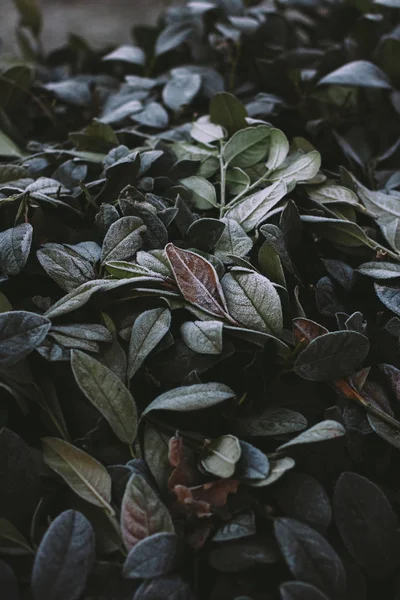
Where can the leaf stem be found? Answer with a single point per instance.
(250, 188)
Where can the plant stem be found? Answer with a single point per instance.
(222, 167)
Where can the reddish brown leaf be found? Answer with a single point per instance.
(305, 330)
(216, 492)
(185, 471)
(191, 506)
(197, 281)
(142, 512)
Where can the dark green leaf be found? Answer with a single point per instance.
(191, 397)
(229, 112)
(64, 558)
(20, 333)
(332, 356)
(367, 524)
(154, 556)
(310, 557)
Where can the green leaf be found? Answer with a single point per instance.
(332, 356)
(252, 300)
(229, 112)
(82, 473)
(338, 231)
(380, 270)
(233, 242)
(310, 557)
(20, 333)
(251, 211)
(367, 524)
(142, 512)
(95, 137)
(203, 194)
(205, 132)
(66, 266)
(222, 455)
(389, 295)
(154, 556)
(123, 239)
(272, 422)
(298, 590)
(148, 330)
(321, 432)
(191, 397)
(129, 54)
(30, 15)
(107, 393)
(64, 558)
(8, 147)
(15, 245)
(278, 149)
(299, 169)
(204, 337)
(360, 73)
(173, 36)
(278, 467)
(329, 193)
(237, 181)
(12, 542)
(181, 90)
(247, 147)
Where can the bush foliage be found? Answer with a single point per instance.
(199, 307)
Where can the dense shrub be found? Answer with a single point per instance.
(200, 302)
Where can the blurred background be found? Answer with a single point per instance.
(101, 22)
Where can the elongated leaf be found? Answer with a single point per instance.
(171, 587)
(251, 211)
(332, 356)
(358, 73)
(173, 36)
(64, 558)
(228, 111)
(20, 333)
(243, 525)
(338, 231)
(197, 280)
(63, 264)
(310, 557)
(252, 300)
(380, 270)
(367, 523)
(247, 147)
(299, 170)
(15, 245)
(204, 337)
(278, 149)
(129, 54)
(154, 556)
(191, 397)
(278, 468)
(142, 512)
(147, 331)
(321, 432)
(8, 147)
(123, 239)
(272, 421)
(233, 241)
(84, 475)
(302, 497)
(107, 393)
(298, 590)
(389, 295)
(328, 193)
(11, 540)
